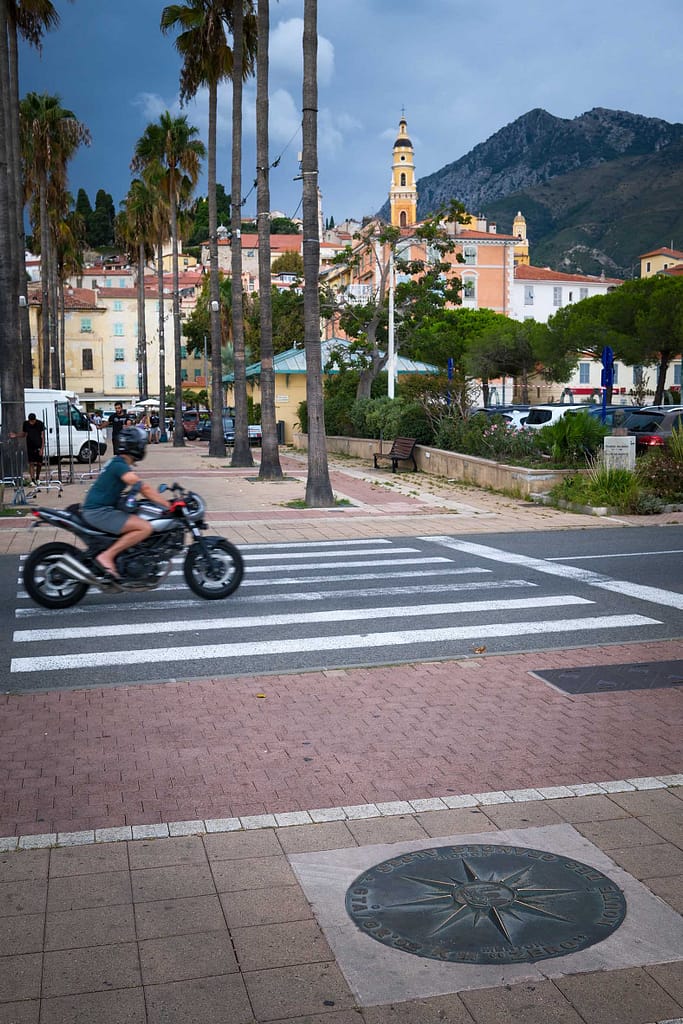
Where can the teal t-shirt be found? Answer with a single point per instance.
(108, 488)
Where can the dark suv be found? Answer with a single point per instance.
(192, 423)
(652, 428)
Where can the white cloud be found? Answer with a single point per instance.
(285, 52)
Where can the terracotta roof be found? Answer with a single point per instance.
(490, 236)
(672, 271)
(115, 293)
(527, 273)
(80, 298)
(664, 251)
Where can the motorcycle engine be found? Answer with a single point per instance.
(137, 565)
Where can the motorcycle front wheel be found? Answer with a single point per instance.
(214, 568)
(46, 582)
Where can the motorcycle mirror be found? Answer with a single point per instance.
(162, 488)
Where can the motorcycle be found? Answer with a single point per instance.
(58, 575)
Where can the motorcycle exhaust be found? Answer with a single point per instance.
(75, 570)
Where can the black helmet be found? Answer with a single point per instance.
(132, 441)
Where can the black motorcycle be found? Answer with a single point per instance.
(58, 575)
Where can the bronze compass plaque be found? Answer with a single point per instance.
(485, 904)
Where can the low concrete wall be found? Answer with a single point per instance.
(469, 469)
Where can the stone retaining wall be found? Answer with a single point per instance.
(497, 476)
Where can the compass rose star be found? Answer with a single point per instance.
(498, 899)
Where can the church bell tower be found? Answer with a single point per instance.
(403, 192)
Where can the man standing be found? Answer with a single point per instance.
(34, 432)
(117, 421)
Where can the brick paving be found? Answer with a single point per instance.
(214, 927)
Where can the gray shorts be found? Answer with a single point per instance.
(110, 520)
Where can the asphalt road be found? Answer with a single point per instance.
(337, 604)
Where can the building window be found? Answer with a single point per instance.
(584, 373)
(469, 288)
(183, 351)
(118, 306)
(86, 325)
(119, 355)
(469, 254)
(403, 180)
(118, 330)
(183, 374)
(677, 374)
(583, 293)
(122, 282)
(86, 359)
(648, 266)
(528, 295)
(198, 372)
(557, 296)
(107, 282)
(638, 375)
(119, 381)
(615, 374)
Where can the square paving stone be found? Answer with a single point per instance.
(619, 997)
(235, 845)
(86, 860)
(23, 897)
(650, 801)
(218, 1000)
(386, 829)
(21, 934)
(293, 991)
(26, 1012)
(123, 1006)
(329, 835)
(665, 826)
(670, 977)
(589, 808)
(20, 977)
(439, 1010)
(668, 889)
(155, 853)
(524, 814)
(178, 957)
(259, 873)
(449, 823)
(343, 1017)
(176, 880)
(541, 1003)
(77, 892)
(619, 833)
(96, 926)
(100, 968)
(283, 945)
(655, 861)
(25, 865)
(178, 917)
(256, 906)
(381, 974)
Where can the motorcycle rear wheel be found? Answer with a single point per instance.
(46, 583)
(217, 574)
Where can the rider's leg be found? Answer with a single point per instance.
(134, 531)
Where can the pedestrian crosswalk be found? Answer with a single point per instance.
(313, 605)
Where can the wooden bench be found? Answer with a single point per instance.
(402, 450)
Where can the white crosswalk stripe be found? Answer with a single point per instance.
(299, 607)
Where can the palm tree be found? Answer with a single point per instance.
(28, 19)
(318, 487)
(135, 231)
(207, 60)
(50, 136)
(11, 382)
(172, 142)
(270, 458)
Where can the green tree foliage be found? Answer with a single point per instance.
(199, 218)
(100, 223)
(83, 206)
(283, 226)
(504, 349)
(289, 263)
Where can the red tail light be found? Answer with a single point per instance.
(650, 440)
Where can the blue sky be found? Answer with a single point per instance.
(461, 71)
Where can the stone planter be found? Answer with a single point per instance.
(514, 480)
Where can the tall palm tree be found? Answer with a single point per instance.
(270, 457)
(172, 142)
(135, 231)
(241, 452)
(50, 136)
(318, 487)
(11, 378)
(207, 60)
(29, 19)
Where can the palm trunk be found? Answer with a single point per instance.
(178, 433)
(142, 327)
(318, 487)
(217, 441)
(270, 456)
(241, 453)
(44, 285)
(162, 347)
(54, 316)
(25, 367)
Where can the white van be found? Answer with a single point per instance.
(543, 415)
(68, 431)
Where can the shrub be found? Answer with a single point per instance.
(660, 472)
(601, 486)
(573, 438)
(414, 421)
(302, 413)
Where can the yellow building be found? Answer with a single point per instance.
(403, 190)
(660, 259)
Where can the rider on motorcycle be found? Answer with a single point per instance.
(100, 508)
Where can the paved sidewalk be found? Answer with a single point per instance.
(151, 867)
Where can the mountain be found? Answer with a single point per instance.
(597, 191)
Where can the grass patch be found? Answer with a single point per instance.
(301, 503)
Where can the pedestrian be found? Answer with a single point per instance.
(34, 432)
(117, 421)
(154, 431)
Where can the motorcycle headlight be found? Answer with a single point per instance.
(195, 506)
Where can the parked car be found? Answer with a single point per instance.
(653, 427)
(543, 415)
(514, 415)
(192, 420)
(204, 433)
(615, 415)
